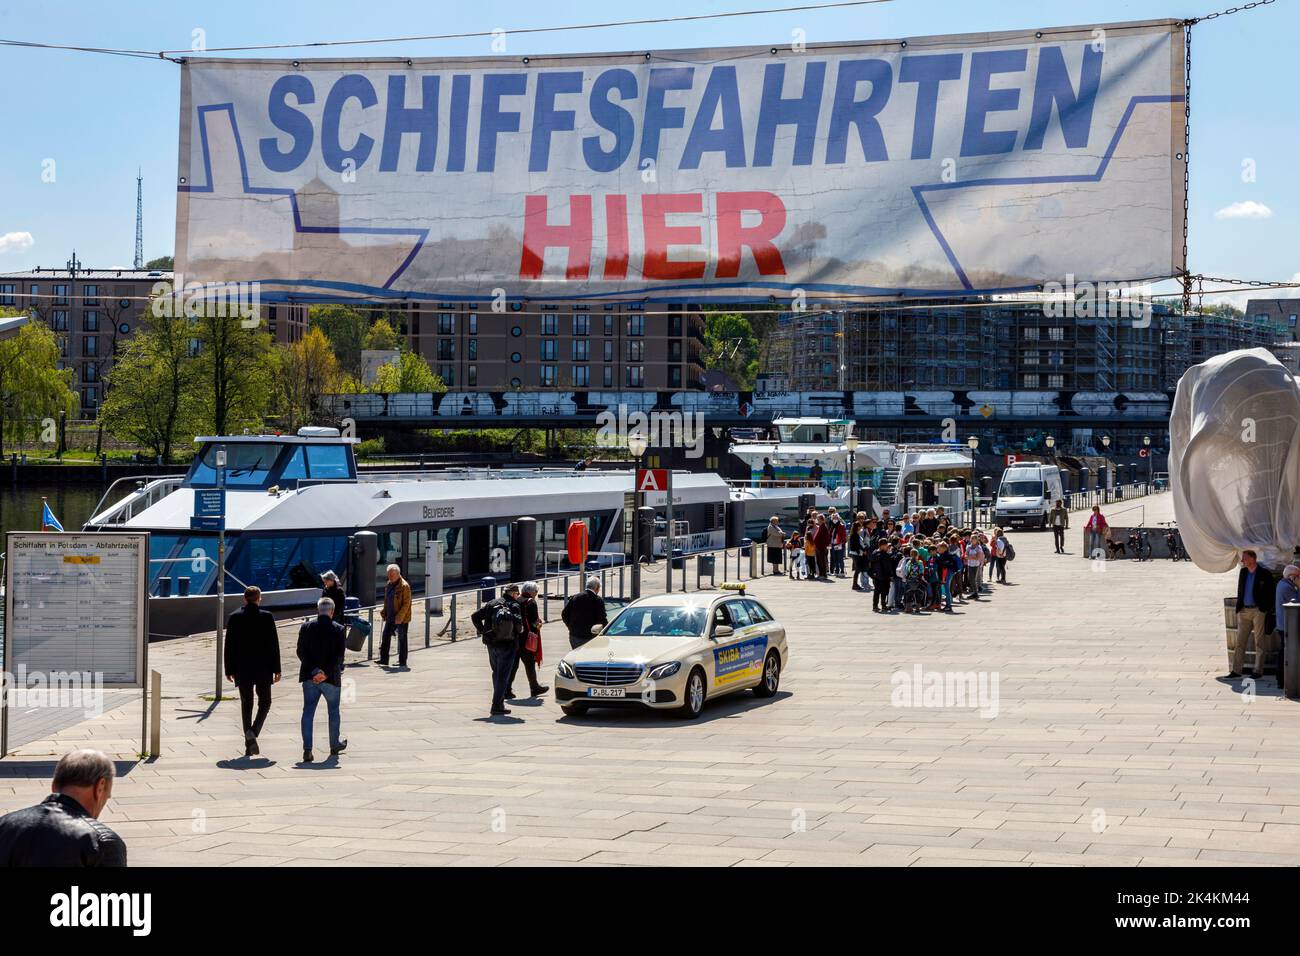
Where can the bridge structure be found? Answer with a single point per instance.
(971, 410)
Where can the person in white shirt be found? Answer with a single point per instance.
(998, 547)
(975, 565)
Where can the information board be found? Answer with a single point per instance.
(77, 603)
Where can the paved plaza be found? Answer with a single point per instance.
(1109, 741)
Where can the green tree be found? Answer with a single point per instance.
(236, 368)
(32, 386)
(410, 373)
(382, 336)
(149, 402)
(731, 347)
(161, 264)
(347, 329)
(307, 370)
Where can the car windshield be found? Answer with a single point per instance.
(1022, 489)
(659, 622)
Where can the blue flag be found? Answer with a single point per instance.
(48, 521)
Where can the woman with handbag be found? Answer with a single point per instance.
(530, 643)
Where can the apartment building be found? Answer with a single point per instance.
(92, 311)
(579, 346)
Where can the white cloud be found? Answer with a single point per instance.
(1244, 210)
(16, 242)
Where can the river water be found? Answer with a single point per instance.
(72, 503)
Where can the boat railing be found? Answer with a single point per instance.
(148, 492)
(775, 483)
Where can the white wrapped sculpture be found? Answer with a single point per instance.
(1234, 459)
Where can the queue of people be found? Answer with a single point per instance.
(916, 562)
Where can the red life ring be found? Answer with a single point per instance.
(576, 539)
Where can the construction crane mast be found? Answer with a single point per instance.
(139, 220)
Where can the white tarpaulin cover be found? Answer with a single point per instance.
(1234, 459)
(973, 163)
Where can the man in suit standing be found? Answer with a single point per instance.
(252, 663)
(1255, 592)
(583, 612)
(320, 648)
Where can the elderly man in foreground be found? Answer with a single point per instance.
(64, 829)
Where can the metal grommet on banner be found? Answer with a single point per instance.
(296, 64)
(525, 61)
(773, 51)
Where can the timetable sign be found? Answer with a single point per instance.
(77, 603)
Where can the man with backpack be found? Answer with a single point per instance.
(500, 624)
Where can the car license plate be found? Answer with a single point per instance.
(606, 692)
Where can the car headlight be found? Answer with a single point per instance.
(564, 670)
(664, 670)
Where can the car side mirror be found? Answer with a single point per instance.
(596, 629)
(723, 630)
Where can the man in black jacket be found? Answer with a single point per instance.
(64, 829)
(583, 612)
(501, 634)
(320, 648)
(1255, 592)
(881, 565)
(252, 663)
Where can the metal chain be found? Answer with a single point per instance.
(1224, 13)
(1187, 162)
(1252, 283)
(1187, 277)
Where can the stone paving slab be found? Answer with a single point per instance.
(1112, 745)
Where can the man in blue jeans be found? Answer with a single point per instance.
(500, 624)
(321, 648)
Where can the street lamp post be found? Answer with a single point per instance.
(636, 446)
(973, 443)
(1105, 448)
(1146, 443)
(851, 445)
(221, 575)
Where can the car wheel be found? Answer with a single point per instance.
(574, 710)
(771, 679)
(693, 695)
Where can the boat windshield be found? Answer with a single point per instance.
(248, 464)
(659, 622)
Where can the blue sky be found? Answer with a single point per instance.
(99, 117)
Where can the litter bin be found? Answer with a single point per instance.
(487, 589)
(744, 547)
(182, 587)
(358, 628)
(707, 563)
(679, 559)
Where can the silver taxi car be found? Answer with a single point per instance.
(674, 652)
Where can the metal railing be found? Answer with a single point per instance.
(444, 617)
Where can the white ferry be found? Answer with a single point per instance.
(293, 503)
(811, 456)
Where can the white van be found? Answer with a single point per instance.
(1026, 495)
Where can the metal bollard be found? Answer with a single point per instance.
(620, 581)
(1291, 652)
(426, 621)
(370, 638)
(453, 617)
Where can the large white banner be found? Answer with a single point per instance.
(980, 163)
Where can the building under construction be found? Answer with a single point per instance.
(1018, 344)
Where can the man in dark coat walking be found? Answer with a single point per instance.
(252, 663)
(583, 612)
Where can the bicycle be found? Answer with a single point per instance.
(1174, 542)
(1139, 542)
